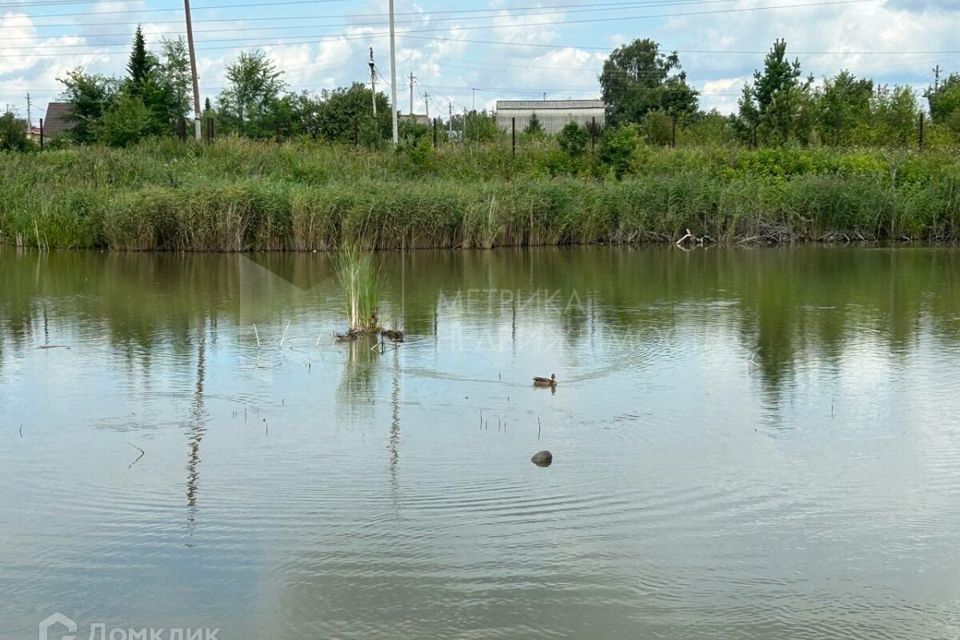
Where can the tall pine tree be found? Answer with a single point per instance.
(141, 64)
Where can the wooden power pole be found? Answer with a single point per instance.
(193, 70)
(373, 82)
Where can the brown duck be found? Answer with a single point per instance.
(545, 382)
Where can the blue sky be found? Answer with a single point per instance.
(504, 49)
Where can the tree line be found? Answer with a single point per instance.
(645, 90)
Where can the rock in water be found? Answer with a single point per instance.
(542, 458)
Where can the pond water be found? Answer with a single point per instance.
(747, 444)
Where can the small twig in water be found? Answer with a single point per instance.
(136, 447)
(284, 336)
(21, 431)
(538, 428)
(256, 333)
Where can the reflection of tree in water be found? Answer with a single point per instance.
(787, 304)
(197, 430)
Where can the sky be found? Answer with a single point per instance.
(470, 54)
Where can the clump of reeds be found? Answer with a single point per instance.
(359, 276)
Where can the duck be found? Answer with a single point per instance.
(393, 334)
(545, 382)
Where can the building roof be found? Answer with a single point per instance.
(57, 119)
(549, 104)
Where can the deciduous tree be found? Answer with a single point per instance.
(638, 78)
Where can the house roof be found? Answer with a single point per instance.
(57, 119)
(544, 105)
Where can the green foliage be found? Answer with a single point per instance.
(237, 195)
(253, 91)
(944, 100)
(173, 75)
(13, 133)
(843, 106)
(412, 132)
(337, 114)
(141, 65)
(709, 129)
(89, 96)
(480, 126)
(534, 127)
(573, 139)
(894, 116)
(125, 122)
(637, 78)
(658, 129)
(617, 146)
(359, 277)
(778, 105)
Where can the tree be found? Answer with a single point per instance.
(944, 100)
(637, 78)
(480, 126)
(253, 88)
(13, 133)
(126, 122)
(89, 96)
(174, 72)
(843, 105)
(141, 64)
(534, 127)
(617, 146)
(338, 115)
(778, 104)
(573, 139)
(893, 116)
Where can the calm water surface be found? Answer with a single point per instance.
(748, 444)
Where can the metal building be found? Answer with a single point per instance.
(552, 114)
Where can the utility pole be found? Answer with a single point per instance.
(413, 79)
(193, 70)
(450, 121)
(29, 115)
(393, 79)
(373, 82)
(936, 78)
(426, 102)
(474, 99)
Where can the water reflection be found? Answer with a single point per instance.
(749, 443)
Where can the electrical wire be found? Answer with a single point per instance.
(545, 23)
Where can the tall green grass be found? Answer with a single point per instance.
(359, 278)
(239, 196)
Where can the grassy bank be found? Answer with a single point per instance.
(234, 196)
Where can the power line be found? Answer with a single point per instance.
(381, 22)
(257, 5)
(494, 13)
(545, 23)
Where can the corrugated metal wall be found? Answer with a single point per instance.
(553, 120)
